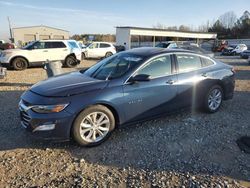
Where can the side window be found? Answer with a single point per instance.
(94, 45)
(188, 62)
(39, 45)
(207, 62)
(103, 45)
(57, 45)
(158, 67)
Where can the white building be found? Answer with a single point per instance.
(24, 35)
(125, 34)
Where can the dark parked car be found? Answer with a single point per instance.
(125, 88)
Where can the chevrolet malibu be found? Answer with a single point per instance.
(128, 87)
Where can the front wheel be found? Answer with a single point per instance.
(19, 63)
(93, 126)
(213, 99)
(70, 62)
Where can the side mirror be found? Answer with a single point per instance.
(140, 78)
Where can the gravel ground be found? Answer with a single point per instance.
(189, 149)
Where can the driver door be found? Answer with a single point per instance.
(146, 99)
(38, 52)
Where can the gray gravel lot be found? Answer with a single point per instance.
(189, 149)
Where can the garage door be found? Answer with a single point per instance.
(58, 37)
(44, 37)
(29, 38)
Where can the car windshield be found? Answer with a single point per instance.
(113, 67)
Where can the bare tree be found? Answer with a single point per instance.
(228, 19)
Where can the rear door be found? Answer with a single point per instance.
(104, 48)
(55, 50)
(190, 75)
(144, 100)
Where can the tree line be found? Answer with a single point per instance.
(94, 37)
(226, 26)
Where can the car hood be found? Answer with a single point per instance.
(68, 84)
(13, 50)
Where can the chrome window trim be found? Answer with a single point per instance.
(171, 53)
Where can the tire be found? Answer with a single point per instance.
(70, 62)
(86, 126)
(19, 63)
(108, 54)
(213, 99)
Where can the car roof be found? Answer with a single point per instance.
(51, 40)
(152, 51)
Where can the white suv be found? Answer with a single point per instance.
(37, 52)
(98, 50)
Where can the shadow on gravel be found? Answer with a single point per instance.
(185, 142)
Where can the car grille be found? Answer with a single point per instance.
(25, 118)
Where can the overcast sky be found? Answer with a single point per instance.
(101, 16)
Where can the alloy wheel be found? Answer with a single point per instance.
(94, 127)
(214, 99)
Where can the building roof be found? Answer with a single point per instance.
(40, 26)
(142, 31)
(157, 29)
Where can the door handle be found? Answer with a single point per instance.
(170, 82)
(45, 50)
(65, 50)
(204, 75)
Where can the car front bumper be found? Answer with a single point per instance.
(52, 126)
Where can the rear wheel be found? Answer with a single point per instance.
(108, 54)
(70, 61)
(93, 125)
(19, 63)
(213, 99)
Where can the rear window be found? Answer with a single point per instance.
(188, 62)
(103, 45)
(55, 45)
(58, 45)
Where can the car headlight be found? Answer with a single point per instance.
(45, 109)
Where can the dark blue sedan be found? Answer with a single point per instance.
(125, 88)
